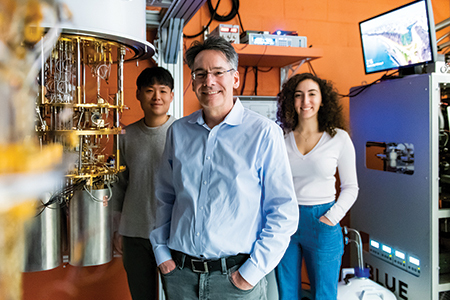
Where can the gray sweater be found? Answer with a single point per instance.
(141, 148)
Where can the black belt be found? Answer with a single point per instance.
(199, 265)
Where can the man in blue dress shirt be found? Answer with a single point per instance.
(226, 201)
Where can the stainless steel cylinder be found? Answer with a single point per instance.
(90, 228)
(43, 240)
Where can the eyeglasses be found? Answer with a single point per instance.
(200, 75)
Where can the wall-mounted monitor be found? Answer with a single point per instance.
(401, 38)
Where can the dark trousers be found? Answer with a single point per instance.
(140, 265)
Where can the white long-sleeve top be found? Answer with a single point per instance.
(314, 173)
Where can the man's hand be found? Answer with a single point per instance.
(167, 266)
(240, 282)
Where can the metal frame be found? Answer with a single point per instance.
(176, 69)
(401, 210)
(170, 21)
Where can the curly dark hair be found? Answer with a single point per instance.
(330, 114)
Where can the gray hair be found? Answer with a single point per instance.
(212, 43)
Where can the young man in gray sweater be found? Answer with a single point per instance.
(141, 148)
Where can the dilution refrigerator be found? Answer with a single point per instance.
(400, 129)
(80, 102)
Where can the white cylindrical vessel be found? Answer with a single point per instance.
(362, 288)
(122, 21)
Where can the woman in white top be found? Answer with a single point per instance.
(317, 146)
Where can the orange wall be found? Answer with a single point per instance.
(331, 25)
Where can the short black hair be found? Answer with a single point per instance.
(154, 75)
(212, 43)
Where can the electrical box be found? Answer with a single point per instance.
(228, 32)
(265, 38)
(264, 105)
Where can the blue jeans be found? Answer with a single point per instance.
(322, 247)
(183, 283)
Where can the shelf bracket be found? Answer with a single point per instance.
(284, 71)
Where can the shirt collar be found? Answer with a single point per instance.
(236, 114)
(233, 118)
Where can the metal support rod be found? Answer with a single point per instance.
(42, 98)
(80, 154)
(52, 118)
(358, 242)
(119, 103)
(443, 46)
(84, 73)
(120, 62)
(284, 72)
(78, 71)
(443, 24)
(443, 37)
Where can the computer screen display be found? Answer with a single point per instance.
(402, 37)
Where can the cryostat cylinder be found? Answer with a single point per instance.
(90, 228)
(43, 239)
(109, 17)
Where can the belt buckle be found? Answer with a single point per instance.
(201, 262)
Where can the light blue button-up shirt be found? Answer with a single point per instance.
(226, 190)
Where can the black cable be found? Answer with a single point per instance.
(311, 68)
(244, 79)
(234, 11)
(360, 89)
(240, 22)
(255, 91)
(64, 196)
(265, 71)
(213, 14)
(255, 70)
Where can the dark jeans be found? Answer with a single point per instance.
(140, 265)
(187, 285)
